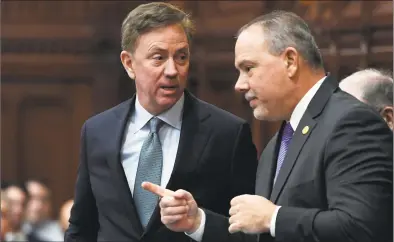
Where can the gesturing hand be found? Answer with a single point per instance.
(179, 211)
(251, 214)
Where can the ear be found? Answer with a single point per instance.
(127, 61)
(291, 59)
(387, 114)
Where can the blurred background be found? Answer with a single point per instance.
(60, 65)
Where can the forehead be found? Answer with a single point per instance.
(172, 36)
(250, 44)
(15, 193)
(35, 187)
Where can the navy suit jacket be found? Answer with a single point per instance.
(216, 161)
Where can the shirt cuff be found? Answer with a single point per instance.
(197, 235)
(273, 222)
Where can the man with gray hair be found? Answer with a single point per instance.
(373, 87)
(326, 176)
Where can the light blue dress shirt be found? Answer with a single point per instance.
(136, 133)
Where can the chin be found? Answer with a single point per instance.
(167, 102)
(263, 114)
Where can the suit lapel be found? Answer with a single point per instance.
(192, 141)
(115, 141)
(296, 144)
(302, 133)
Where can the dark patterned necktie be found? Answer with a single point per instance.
(287, 134)
(149, 169)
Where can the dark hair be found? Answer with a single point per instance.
(150, 16)
(285, 29)
(4, 185)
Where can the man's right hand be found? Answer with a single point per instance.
(179, 211)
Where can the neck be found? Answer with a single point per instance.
(308, 79)
(152, 108)
(304, 82)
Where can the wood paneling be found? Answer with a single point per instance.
(40, 132)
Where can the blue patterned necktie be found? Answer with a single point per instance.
(287, 134)
(149, 169)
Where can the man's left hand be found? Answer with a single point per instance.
(251, 214)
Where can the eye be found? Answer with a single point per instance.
(158, 57)
(183, 57)
(248, 68)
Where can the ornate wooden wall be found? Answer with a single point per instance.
(60, 64)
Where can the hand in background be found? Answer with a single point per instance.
(179, 211)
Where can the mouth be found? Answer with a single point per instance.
(169, 87)
(249, 98)
(252, 102)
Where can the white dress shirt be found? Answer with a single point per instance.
(138, 130)
(295, 119)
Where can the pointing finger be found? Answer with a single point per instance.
(160, 191)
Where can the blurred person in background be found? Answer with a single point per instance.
(16, 197)
(373, 87)
(38, 220)
(64, 214)
(4, 226)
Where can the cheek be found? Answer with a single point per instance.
(146, 78)
(183, 73)
(270, 82)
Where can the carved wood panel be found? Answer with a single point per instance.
(41, 125)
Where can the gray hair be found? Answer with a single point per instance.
(285, 29)
(149, 16)
(373, 86)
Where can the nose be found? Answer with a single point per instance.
(170, 68)
(241, 85)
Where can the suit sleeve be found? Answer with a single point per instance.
(244, 163)
(83, 219)
(244, 166)
(358, 174)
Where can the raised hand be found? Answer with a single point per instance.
(179, 211)
(251, 214)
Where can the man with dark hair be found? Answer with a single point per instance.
(38, 222)
(15, 196)
(326, 176)
(4, 222)
(373, 87)
(163, 135)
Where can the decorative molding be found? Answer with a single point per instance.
(57, 46)
(46, 79)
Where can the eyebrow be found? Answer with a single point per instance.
(156, 48)
(242, 64)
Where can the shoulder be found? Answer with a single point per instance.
(109, 115)
(343, 107)
(349, 121)
(219, 115)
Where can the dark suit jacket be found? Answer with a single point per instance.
(216, 160)
(336, 180)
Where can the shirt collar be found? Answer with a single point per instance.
(302, 105)
(172, 116)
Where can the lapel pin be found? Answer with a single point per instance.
(305, 130)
